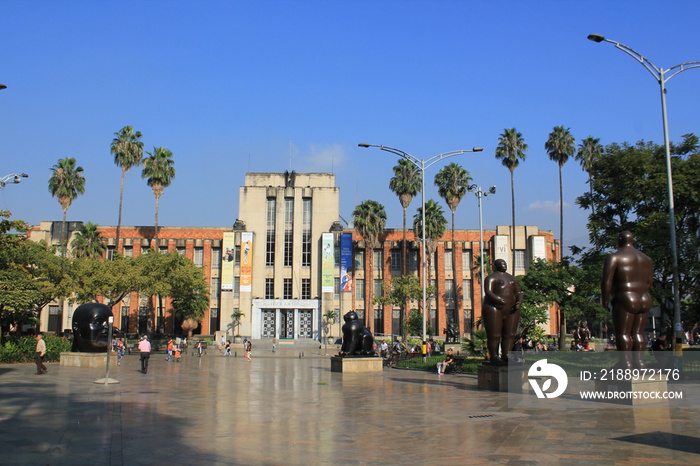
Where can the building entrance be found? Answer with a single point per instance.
(287, 323)
(268, 323)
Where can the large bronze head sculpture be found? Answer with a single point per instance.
(91, 328)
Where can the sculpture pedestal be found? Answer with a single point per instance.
(642, 389)
(353, 364)
(495, 378)
(92, 360)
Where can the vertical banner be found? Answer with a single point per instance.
(228, 255)
(346, 262)
(327, 266)
(246, 261)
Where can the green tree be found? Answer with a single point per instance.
(405, 183)
(567, 286)
(400, 291)
(127, 150)
(452, 182)
(159, 169)
(589, 150)
(435, 226)
(511, 150)
(560, 146)
(630, 193)
(236, 320)
(66, 183)
(370, 219)
(88, 242)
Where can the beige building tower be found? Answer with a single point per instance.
(273, 269)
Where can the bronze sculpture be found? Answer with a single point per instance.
(501, 311)
(627, 278)
(357, 339)
(91, 328)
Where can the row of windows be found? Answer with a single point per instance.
(287, 290)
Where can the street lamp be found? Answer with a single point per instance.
(661, 77)
(12, 178)
(422, 165)
(479, 193)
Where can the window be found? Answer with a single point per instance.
(128, 251)
(163, 249)
(360, 259)
(450, 292)
(288, 231)
(519, 260)
(199, 257)
(306, 233)
(336, 288)
(215, 288)
(215, 258)
(467, 291)
(378, 291)
(306, 249)
(236, 287)
(377, 258)
(110, 253)
(269, 288)
(181, 250)
(360, 289)
(433, 284)
(287, 291)
(270, 234)
(467, 261)
(413, 260)
(448, 260)
(395, 259)
(237, 255)
(305, 288)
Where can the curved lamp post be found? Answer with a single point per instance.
(479, 193)
(12, 178)
(662, 76)
(422, 165)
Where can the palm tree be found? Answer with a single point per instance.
(511, 150)
(370, 219)
(66, 183)
(127, 149)
(589, 150)
(406, 183)
(435, 226)
(559, 146)
(88, 242)
(159, 170)
(452, 182)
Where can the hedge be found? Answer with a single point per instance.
(23, 349)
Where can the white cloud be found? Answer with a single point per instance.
(548, 206)
(320, 158)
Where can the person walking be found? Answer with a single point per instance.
(248, 350)
(145, 349)
(170, 350)
(39, 356)
(228, 348)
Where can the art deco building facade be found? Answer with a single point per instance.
(280, 266)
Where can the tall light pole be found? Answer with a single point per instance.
(662, 76)
(478, 192)
(422, 165)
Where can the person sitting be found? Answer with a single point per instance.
(449, 359)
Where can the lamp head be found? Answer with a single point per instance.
(596, 37)
(492, 190)
(2, 86)
(363, 144)
(477, 149)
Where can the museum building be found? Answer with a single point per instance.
(287, 262)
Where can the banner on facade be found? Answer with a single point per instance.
(246, 261)
(327, 263)
(346, 262)
(501, 249)
(228, 253)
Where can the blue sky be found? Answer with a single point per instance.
(237, 86)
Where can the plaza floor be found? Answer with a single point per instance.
(281, 409)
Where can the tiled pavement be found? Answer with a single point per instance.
(281, 410)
